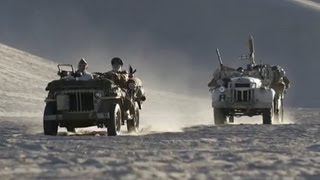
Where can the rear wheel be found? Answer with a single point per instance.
(267, 116)
(282, 111)
(71, 129)
(279, 113)
(114, 123)
(231, 119)
(219, 116)
(133, 124)
(50, 127)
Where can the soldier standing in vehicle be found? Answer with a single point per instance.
(82, 72)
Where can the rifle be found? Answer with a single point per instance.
(219, 58)
(131, 71)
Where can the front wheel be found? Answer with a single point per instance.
(114, 123)
(219, 116)
(267, 116)
(50, 127)
(71, 129)
(231, 119)
(133, 124)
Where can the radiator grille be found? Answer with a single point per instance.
(243, 95)
(81, 101)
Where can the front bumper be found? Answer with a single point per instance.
(92, 116)
(242, 105)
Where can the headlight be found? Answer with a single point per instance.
(220, 82)
(222, 89)
(98, 94)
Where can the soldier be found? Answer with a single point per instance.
(280, 82)
(223, 73)
(82, 72)
(254, 71)
(118, 76)
(213, 82)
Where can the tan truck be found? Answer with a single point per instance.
(258, 89)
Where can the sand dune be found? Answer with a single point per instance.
(308, 3)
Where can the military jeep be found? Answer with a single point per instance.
(72, 103)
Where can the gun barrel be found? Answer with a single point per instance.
(219, 57)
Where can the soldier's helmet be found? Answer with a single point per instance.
(240, 69)
(282, 72)
(275, 68)
(116, 61)
(279, 70)
(250, 67)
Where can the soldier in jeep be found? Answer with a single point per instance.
(120, 77)
(127, 82)
(82, 74)
(117, 75)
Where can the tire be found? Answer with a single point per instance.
(114, 123)
(71, 129)
(50, 127)
(279, 116)
(231, 119)
(219, 116)
(133, 124)
(282, 111)
(267, 116)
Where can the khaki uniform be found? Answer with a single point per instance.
(221, 73)
(119, 78)
(280, 82)
(286, 82)
(86, 76)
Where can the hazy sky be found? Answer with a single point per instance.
(171, 42)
